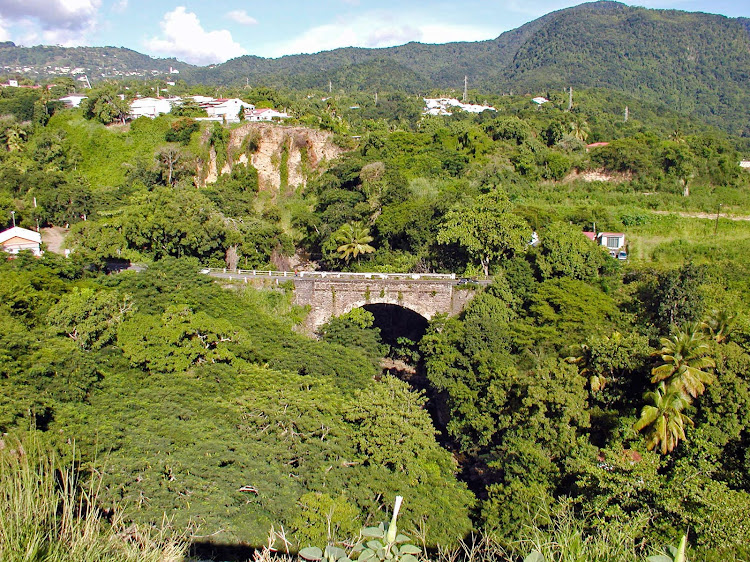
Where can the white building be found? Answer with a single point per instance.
(73, 100)
(614, 242)
(264, 115)
(228, 109)
(442, 106)
(150, 107)
(199, 99)
(17, 239)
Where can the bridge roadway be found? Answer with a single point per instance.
(333, 293)
(243, 274)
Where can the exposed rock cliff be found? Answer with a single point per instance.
(284, 156)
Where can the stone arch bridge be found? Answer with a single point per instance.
(331, 294)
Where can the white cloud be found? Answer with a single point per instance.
(241, 17)
(65, 22)
(379, 29)
(4, 35)
(185, 38)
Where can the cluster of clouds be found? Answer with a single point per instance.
(182, 35)
(54, 22)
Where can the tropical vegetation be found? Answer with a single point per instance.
(578, 404)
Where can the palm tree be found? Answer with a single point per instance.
(579, 129)
(718, 325)
(685, 356)
(14, 137)
(354, 239)
(664, 418)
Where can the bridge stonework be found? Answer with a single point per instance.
(328, 298)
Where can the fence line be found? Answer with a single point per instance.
(328, 274)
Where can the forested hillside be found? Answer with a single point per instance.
(581, 405)
(694, 63)
(99, 62)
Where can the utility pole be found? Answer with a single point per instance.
(570, 98)
(466, 88)
(627, 114)
(329, 86)
(716, 225)
(13, 214)
(376, 99)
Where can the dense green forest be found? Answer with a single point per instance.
(577, 396)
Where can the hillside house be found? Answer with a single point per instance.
(150, 107)
(227, 109)
(17, 239)
(613, 241)
(266, 114)
(198, 99)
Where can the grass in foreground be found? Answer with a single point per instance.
(46, 516)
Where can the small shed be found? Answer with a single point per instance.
(612, 240)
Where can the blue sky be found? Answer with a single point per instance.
(211, 31)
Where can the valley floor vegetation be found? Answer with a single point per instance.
(581, 407)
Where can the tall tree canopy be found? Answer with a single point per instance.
(486, 228)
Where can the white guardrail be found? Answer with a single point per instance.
(327, 274)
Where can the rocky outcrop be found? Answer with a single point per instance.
(284, 156)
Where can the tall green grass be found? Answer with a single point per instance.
(46, 515)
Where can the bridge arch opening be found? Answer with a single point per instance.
(395, 321)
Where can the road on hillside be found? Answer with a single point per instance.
(711, 216)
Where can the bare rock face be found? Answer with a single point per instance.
(284, 156)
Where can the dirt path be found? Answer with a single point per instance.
(703, 215)
(54, 237)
